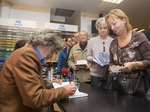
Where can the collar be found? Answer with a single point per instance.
(83, 46)
(39, 54)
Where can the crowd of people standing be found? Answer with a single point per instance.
(21, 83)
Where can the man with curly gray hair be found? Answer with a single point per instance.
(21, 83)
(47, 39)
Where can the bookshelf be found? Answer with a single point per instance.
(8, 37)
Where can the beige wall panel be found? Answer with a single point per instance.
(89, 14)
(29, 8)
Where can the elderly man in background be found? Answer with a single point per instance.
(21, 83)
(79, 52)
(76, 38)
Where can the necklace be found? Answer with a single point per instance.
(103, 46)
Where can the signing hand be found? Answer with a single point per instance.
(71, 88)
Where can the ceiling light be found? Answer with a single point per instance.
(135, 29)
(113, 1)
(141, 30)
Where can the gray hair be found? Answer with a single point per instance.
(100, 21)
(46, 37)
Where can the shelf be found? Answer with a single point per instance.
(8, 37)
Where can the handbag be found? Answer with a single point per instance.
(136, 86)
(111, 82)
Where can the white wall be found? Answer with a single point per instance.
(83, 20)
(0, 10)
(77, 19)
(39, 17)
(5, 11)
(86, 23)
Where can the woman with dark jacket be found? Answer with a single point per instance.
(130, 51)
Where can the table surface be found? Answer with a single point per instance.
(100, 100)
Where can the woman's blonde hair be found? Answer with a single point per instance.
(117, 13)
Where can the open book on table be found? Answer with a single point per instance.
(77, 94)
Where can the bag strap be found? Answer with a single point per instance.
(117, 53)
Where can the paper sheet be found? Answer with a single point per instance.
(116, 69)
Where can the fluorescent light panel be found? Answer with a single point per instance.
(113, 1)
(135, 29)
(141, 30)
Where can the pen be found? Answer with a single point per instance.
(69, 77)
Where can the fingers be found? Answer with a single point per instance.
(57, 76)
(59, 81)
(127, 67)
(71, 88)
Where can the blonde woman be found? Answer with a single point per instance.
(131, 51)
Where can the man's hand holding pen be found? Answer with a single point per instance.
(71, 88)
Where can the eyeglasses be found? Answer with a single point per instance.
(103, 46)
(76, 36)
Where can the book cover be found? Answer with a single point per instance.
(81, 62)
(102, 58)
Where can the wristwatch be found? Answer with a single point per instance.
(136, 66)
